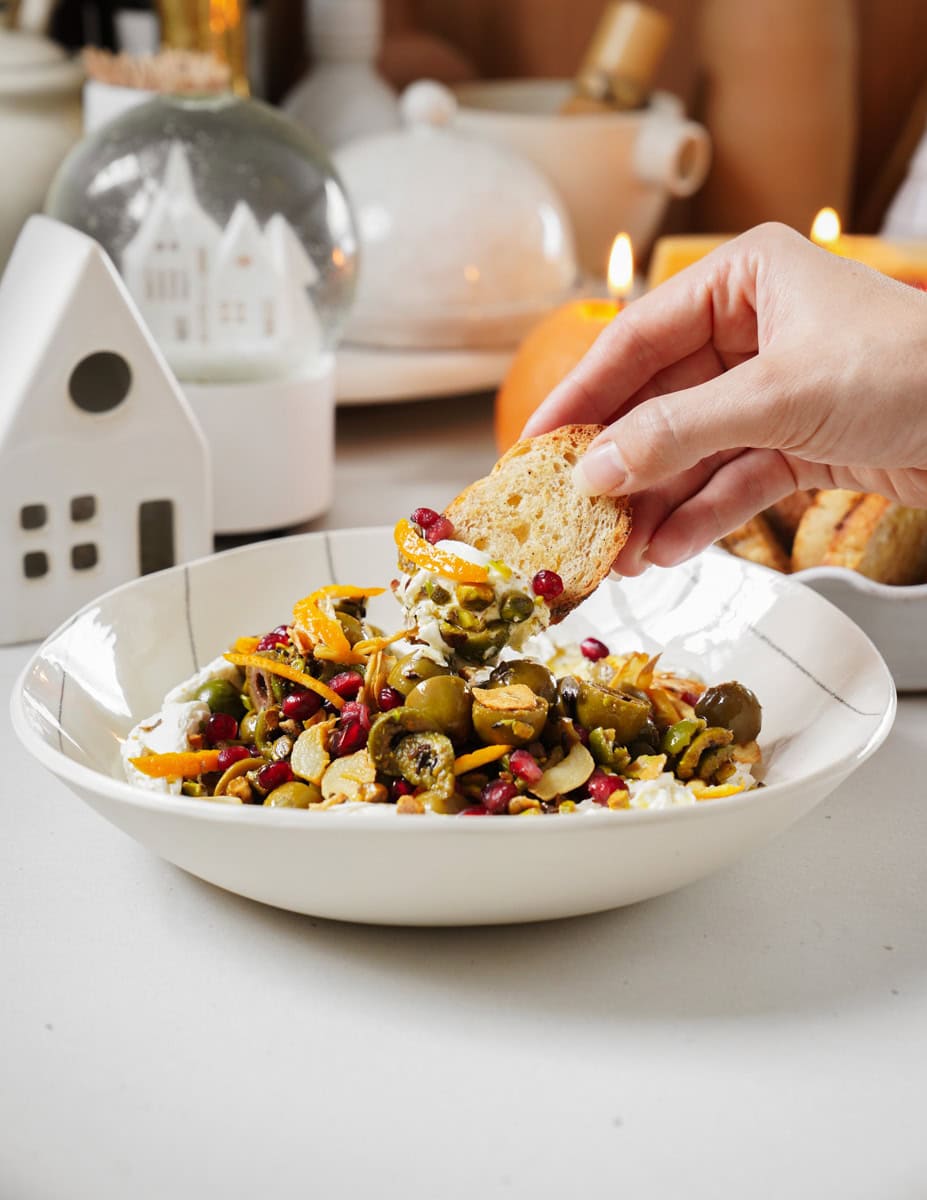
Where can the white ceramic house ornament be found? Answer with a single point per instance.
(104, 472)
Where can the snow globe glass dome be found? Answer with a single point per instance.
(234, 236)
(463, 244)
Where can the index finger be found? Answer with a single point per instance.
(711, 302)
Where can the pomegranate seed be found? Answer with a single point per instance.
(424, 517)
(593, 649)
(355, 711)
(347, 684)
(600, 786)
(525, 766)
(348, 739)
(277, 637)
(389, 698)
(221, 727)
(474, 812)
(547, 584)
(582, 733)
(301, 705)
(232, 754)
(689, 698)
(439, 530)
(399, 787)
(273, 775)
(496, 796)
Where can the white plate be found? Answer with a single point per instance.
(368, 376)
(827, 695)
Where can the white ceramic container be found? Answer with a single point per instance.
(827, 696)
(616, 172)
(40, 120)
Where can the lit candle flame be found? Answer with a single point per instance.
(826, 227)
(621, 267)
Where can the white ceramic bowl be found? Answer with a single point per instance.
(828, 703)
(894, 617)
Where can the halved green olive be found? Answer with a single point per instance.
(516, 607)
(733, 706)
(607, 708)
(532, 674)
(426, 760)
(708, 740)
(412, 669)
(603, 747)
(387, 731)
(294, 794)
(445, 699)
(678, 736)
(352, 627)
(511, 715)
(478, 645)
(221, 696)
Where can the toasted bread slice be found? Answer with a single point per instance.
(785, 515)
(756, 541)
(527, 513)
(820, 522)
(884, 541)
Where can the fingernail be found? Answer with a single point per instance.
(600, 470)
(616, 576)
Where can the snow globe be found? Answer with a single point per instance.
(234, 237)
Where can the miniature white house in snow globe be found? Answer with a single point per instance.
(234, 237)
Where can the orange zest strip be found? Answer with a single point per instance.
(246, 645)
(423, 554)
(371, 645)
(479, 758)
(272, 667)
(181, 764)
(345, 591)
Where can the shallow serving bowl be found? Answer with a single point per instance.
(827, 696)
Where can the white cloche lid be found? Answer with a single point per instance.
(461, 243)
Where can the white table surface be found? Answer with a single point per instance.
(760, 1034)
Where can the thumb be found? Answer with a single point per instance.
(666, 435)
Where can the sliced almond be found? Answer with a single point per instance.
(512, 698)
(347, 777)
(310, 756)
(571, 772)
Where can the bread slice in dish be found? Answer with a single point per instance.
(820, 523)
(882, 540)
(527, 513)
(755, 540)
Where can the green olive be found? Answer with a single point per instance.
(607, 708)
(412, 669)
(248, 726)
(426, 759)
(221, 696)
(705, 743)
(351, 626)
(447, 700)
(734, 707)
(476, 646)
(388, 730)
(514, 722)
(294, 794)
(531, 674)
(678, 736)
(516, 607)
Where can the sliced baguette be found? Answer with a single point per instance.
(755, 540)
(527, 513)
(819, 523)
(884, 541)
(784, 516)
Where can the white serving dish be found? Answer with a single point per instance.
(827, 695)
(894, 617)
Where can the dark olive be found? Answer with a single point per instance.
(511, 715)
(531, 674)
(608, 708)
(221, 696)
(734, 707)
(412, 669)
(648, 740)
(567, 693)
(447, 700)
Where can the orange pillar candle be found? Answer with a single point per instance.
(554, 346)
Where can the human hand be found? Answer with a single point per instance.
(770, 365)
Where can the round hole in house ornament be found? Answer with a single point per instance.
(234, 237)
(100, 382)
